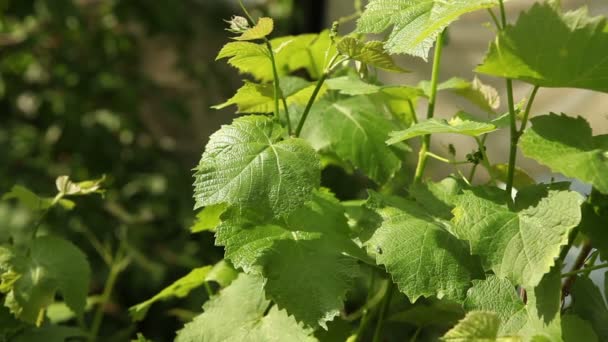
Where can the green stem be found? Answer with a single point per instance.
(413, 111)
(117, 267)
(494, 19)
(524, 121)
(585, 270)
(484, 155)
(246, 12)
(426, 140)
(311, 101)
(514, 141)
(503, 14)
(278, 93)
(383, 312)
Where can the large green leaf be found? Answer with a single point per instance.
(238, 314)
(416, 23)
(180, 288)
(31, 281)
(355, 130)
(259, 98)
(456, 125)
(589, 304)
(249, 163)
(422, 257)
(521, 246)
(302, 256)
(550, 49)
(250, 58)
(567, 145)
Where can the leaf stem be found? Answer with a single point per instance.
(278, 93)
(494, 19)
(446, 160)
(426, 140)
(383, 312)
(503, 14)
(524, 121)
(584, 270)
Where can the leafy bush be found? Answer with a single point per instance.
(401, 257)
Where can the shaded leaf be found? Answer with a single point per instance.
(566, 145)
(355, 130)
(484, 96)
(588, 304)
(370, 53)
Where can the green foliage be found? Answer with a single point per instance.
(566, 50)
(324, 232)
(415, 24)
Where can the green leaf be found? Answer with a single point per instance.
(53, 265)
(180, 289)
(248, 163)
(27, 198)
(417, 23)
(208, 218)
(322, 273)
(566, 145)
(262, 29)
(310, 52)
(370, 53)
(521, 246)
(538, 320)
(355, 130)
(477, 326)
(348, 85)
(296, 255)
(422, 257)
(566, 50)
(248, 58)
(484, 96)
(222, 273)
(238, 315)
(259, 98)
(498, 296)
(456, 125)
(588, 303)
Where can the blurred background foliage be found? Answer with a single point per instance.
(122, 89)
